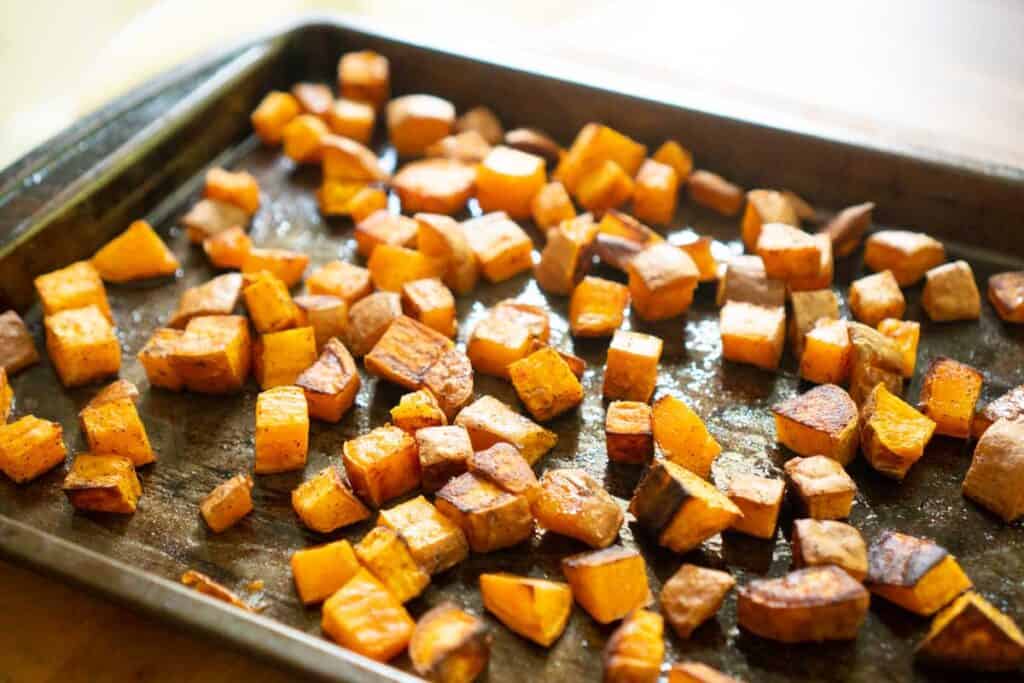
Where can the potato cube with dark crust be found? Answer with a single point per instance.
(236, 187)
(444, 453)
(444, 240)
(218, 296)
(156, 358)
(417, 121)
(631, 367)
(608, 583)
(435, 185)
(949, 392)
(490, 517)
(6, 397)
(551, 205)
(634, 652)
(302, 137)
(874, 359)
(693, 595)
(366, 618)
(572, 503)
(82, 345)
(433, 540)
(321, 570)
(430, 302)
(327, 315)
(325, 502)
(282, 430)
(697, 672)
(597, 307)
(364, 76)
(1006, 293)
(225, 505)
(29, 447)
(384, 227)
(752, 334)
(915, 573)
(76, 286)
(351, 119)
(368, 320)
(744, 279)
(822, 421)
(826, 354)
(1009, 406)
(764, 207)
(467, 147)
(450, 645)
(788, 252)
(102, 483)
(534, 608)
(17, 349)
(489, 421)
(346, 281)
(907, 254)
(450, 380)
(138, 253)
(950, 293)
(662, 279)
(995, 479)
(875, 297)
(808, 308)
(683, 437)
(275, 111)
(269, 303)
(382, 464)
(280, 357)
(567, 256)
(905, 334)
(629, 432)
(848, 227)
(348, 161)
(418, 410)
(715, 192)
(893, 434)
(806, 605)
(331, 383)
(508, 179)
(501, 247)
(388, 558)
(545, 384)
(822, 486)
(972, 634)
(391, 267)
(112, 427)
(405, 352)
(483, 122)
(759, 499)
(210, 217)
(699, 249)
(503, 466)
(496, 343)
(823, 542)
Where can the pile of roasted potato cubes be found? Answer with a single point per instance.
(475, 456)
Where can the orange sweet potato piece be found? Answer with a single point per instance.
(431, 303)
(285, 264)
(225, 505)
(500, 246)
(693, 595)
(683, 437)
(239, 188)
(676, 156)
(112, 426)
(594, 145)
(29, 447)
(995, 477)
(972, 634)
(715, 192)
(634, 652)
(822, 486)
(417, 121)
(327, 315)
(314, 98)
(907, 254)
(1006, 293)
(405, 352)
(346, 160)
(656, 192)
(82, 345)
(490, 517)
(269, 303)
(489, 421)
(321, 570)
(847, 228)
(75, 286)
(743, 279)
(444, 453)
(138, 253)
(219, 296)
(364, 76)
(391, 267)
(366, 618)
(631, 367)
(608, 583)
(302, 137)
(280, 357)
(764, 207)
(368, 320)
(604, 187)
(102, 483)
(567, 255)
(418, 410)
(331, 383)
(346, 281)
(443, 239)
(628, 430)
(950, 293)
(228, 249)
(351, 119)
(808, 308)
(483, 122)
(759, 499)
(788, 253)
(893, 434)
(468, 147)
(545, 384)
(325, 502)
(383, 227)
(388, 558)
(209, 217)
(382, 464)
(948, 395)
(433, 540)
(699, 249)
(449, 645)
(597, 307)
(534, 608)
(826, 355)
(822, 421)
(17, 349)
(275, 111)
(876, 297)
(752, 334)
(662, 279)
(823, 542)
(551, 205)
(572, 503)
(282, 430)
(507, 180)
(620, 237)
(915, 573)
(435, 185)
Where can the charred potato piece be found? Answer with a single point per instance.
(597, 307)
(327, 315)
(282, 430)
(995, 479)
(366, 618)
(138, 253)
(387, 557)
(417, 410)
(500, 246)
(824, 542)
(392, 267)
(759, 499)
(491, 518)
(29, 447)
(715, 192)
(508, 180)
(826, 354)
(893, 434)
(676, 156)
(280, 357)
(697, 672)
(269, 303)
(808, 308)
(225, 505)
(449, 645)
(365, 76)
(662, 279)
(102, 483)
(572, 503)
(219, 296)
(435, 185)
(443, 239)
(972, 634)
(752, 334)
(692, 596)
(950, 293)
(807, 605)
(567, 255)
(534, 608)
(417, 121)
(384, 227)
(907, 254)
(325, 502)
(631, 367)
(763, 208)
(405, 352)
(368, 320)
(551, 205)
(545, 384)
(656, 192)
(1009, 406)
(822, 486)
(683, 437)
(608, 583)
(82, 346)
(430, 302)
(444, 453)
(433, 540)
(822, 421)
(876, 297)
(634, 652)
(915, 573)
(321, 570)
(629, 432)
(331, 383)
(382, 464)
(788, 252)
(17, 350)
(503, 466)
(490, 421)
(1006, 293)
(949, 392)
(275, 111)
(847, 228)
(201, 583)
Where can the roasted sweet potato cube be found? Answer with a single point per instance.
(950, 293)
(699, 249)
(450, 380)
(321, 570)
(225, 505)
(567, 255)
(907, 254)
(678, 157)
(876, 297)
(661, 281)
(430, 302)
(360, 204)
(156, 358)
(383, 227)
(534, 319)
(500, 246)
(210, 217)
(29, 447)
(113, 427)
(604, 187)
(270, 305)
(364, 76)
(1006, 293)
(682, 436)
(382, 464)
(282, 430)
(287, 265)
(823, 542)
(620, 237)
(680, 507)
(17, 349)
(629, 432)
(972, 634)
(752, 334)
(75, 286)
(366, 618)
(503, 466)
(534, 608)
(219, 296)
(826, 355)
(214, 354)
(764, 207)
(490, 517)
(468, 147)
(388, 558)
(693, 595)
(536, 142)
(496, 343)
(82, 345)
(344, 280)
(551, 205)
(489, 421)
(450, 645)
(331, 383)
(608, 583)
(483, 122)
(822, 486)
(893, 434)
(906, 334)
(391, 267)
(275, 111)
(949, 392)
(545, 384)
(351, 119)
(823, 275)
(631, 367)
(280, 357)
(915, 573)
(1009, 406)
(405, 352)
(368, 320)
(848, 227)
(594, 145)
(443, 452)
(507, 180)
(6, 397)
(656, 192)
(239, 188)
(327, 315)
(325, 503)
(715, 192)
(788, 252)
(102, 483)
(822, 421)
(808, 308)
(634, 651)
(443, 239)
(806, 605)
(433, 540)
(201, 583)
(874, 358)
(572, 503)
(440, 186)
(302, 137)
(995, 479)
(418, 410)
(348, 161)
(314, 98)
(744, 279)
(697, 672)
(759, 499)
(417, 121)
(138, 253)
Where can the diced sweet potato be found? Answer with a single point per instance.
(759, 499)
(113, 427)
(269, 303)
(744, 279)
(483, 122)
(683, 437)
(351, 119)
(382, 464)
(321, 570)
(210, 217)
(325, 503)
(594, 145)
(822, 421)
(907, 254)
(628, 430)
(823, 275)
(572, 503)
(314, 98)
(604, 187)
(490, 517)
(545, 384)
(699, 249)
(430, 302)
(715, 192)
(6, 397)
(214, 354)
(874, 358)
(418, 410)
(450, 645)
(364, 76)
(442, 239)
(551, 205)
(280, 357)
(915, 573)
(949, 392)
(620, 237)
(201, 583)
(383, 227)
(138, 253)
(764, 207)
(507, 180)
(282, 430)
(82, 345)
(391, 267)
(697, 672)
(631, 368)
(972, 634)
(826, 355)
(366, 618)
(503, 466)
(468, 147)
(995, 479)
(102, 483)
(823, 542)
(1006, 293)
(275, 111)
(17, 349)
(693, 595)
(348, 161)
(848, 227)
(365, 202)
(534, 608)
(433, 540)
(29, 447)
(450, 380)
(443, 452)
(608, 583)
(1009, 406)
(219, 296)
(567, 255)
(286, 265)
(662, 279)
(155, 358)
(656, 192)
(680, 507)
(331, 383)
(435, 185)
(405, 352)
(496, 343)
(534, 319)
(225, 505)
(239, 188)
(634, 651)
(346, 281)
(950, 293)
(906, 334)
(368, 320)
(417, 121)
(536, 142)
(500, 246)
(752, 334)
(489, 421)
(389, 560)
(678, 157)
(228, 249)
(808, 308)
(807, 605)
(788, 252)
(76, 286)
(327, 315)
(893, 434)
(822, 486)
(302, 137)
(876, 297)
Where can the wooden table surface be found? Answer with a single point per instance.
(946, 76)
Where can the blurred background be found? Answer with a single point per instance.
(942, 75)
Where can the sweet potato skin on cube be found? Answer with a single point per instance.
(634, 652)
(387, 557)
(536, 609)
(693, 595)
(405, 352)
(382, 464)
(327, 315)
(907, 254)
(282, 430)
(567, 255)
(444, 453)
(450, 645)
(608, 583)
(17, 349)
(1009, 406)
(752, 334)
(211, 217)
(325, 503)
(995, 478)
(321, 570)
(759, 499)
(875, 297)
(572, 503)
(364, 617)
(848, 227)
(822, 421)
(915, 573)
(219, 296)
(225, 505)
(893, 434)
(597, 307)
(822, 486)
(629, 432)
(467, 147)
(545, 384)
(662, 279)
(508, 180)
(331, 383)
(949, 392)
(715, 192)
(102, 483)
(683, 436)
(631, 368)
(490, 421)
(503, 466)
(743, 279)
(824, 542)
(433, 540)
(656, 192)
(443, 239)
(972, 634)
(29, 447)
(808, 308)
(82, 345)
(136, 254)
(950, 293)
(491, 518)
(874, 358)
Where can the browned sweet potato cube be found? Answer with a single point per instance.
(905, 334)
(433, 540)
(382, 464)
(224, 506)
(822, 421)
(302, 138)
(210, 217)
(503, 466)
(156, 358)
(17, 349)
(682, 436)
(102, 483)
(949, 392)
(634, 652)
(567, 255)
(343, 280)
(327, 315)
(331, 383)
(449, 645)
(443, 452)
(631, 368)
(450, 380)
(490, 421)
(405, 352)
(893, 435)
(364, 76)
(534, 319)
(594, 145)
(656, 192)
(995, 479)
(275, 111)
(76, 286)
(822, 486)
(443, 239)
(1006, 293)
(620, 237)
(545, 384)
(907, 254)
(551, 205)
(826, 355)
(788, 253)
(676, 156)
(29, 447)
(314, 98)
(744, 279)
(507, 180)
(662, 279)
(282, 430)
(699, 249)
(915, 573)
(321, 570)
(496, 343)
(628, 432)
(368, 320)
(536, 142)
(500, 246)
(325, 503)
(431, 303)
(270, 305)
(597, 307)
(572, 503)
(759, 499)
(693, 595)
(440, 186)
(715, 192)
(483, 122)
(280, 357)
(418, 410)
(876, 297)
(608, 583)
(214, 355)
(764, 207)
(112, 426)
(490, 517)
(752, 334)
(417, 121)
(823, 542)
(950, 293)
(366, 618)
(82, 345)
(347, 161)
(351, 119)
(972, 634)
(847, 228)
(808, 308)
(383, 227)
(874, 358)
(219, 296)
(468, 147)
(239, 188)
(388, 558)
